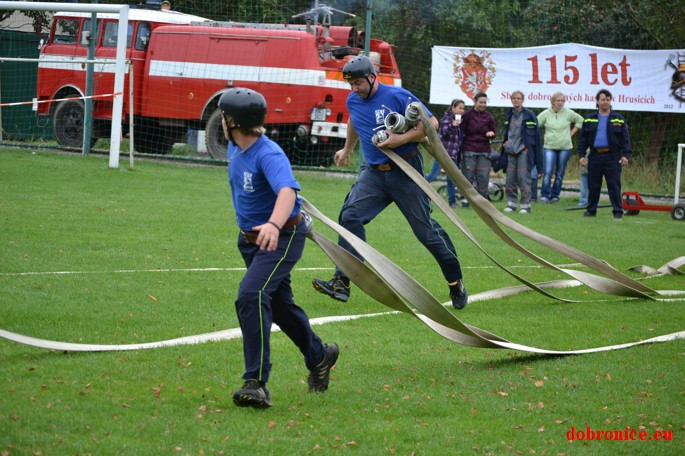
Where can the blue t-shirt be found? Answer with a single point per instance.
(256, 175)
(368, 115)
(601, 140)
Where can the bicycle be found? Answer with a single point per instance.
(495, 189)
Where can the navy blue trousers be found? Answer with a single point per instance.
(374, 190)
(265, 297)
(605, 166)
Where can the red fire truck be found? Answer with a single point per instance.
(181, 66)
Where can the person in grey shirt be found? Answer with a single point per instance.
(523, 146)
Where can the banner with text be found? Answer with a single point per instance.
(638, 80)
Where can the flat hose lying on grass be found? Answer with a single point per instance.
(390, 285)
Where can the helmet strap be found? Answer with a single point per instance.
(370, 86)
(229, 128)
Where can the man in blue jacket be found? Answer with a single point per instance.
(523, 146)
(605, 135)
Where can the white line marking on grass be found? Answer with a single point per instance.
(137, 271)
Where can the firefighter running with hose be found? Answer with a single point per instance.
(381, 183)
(273, 231)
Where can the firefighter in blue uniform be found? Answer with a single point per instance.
(273, 231)
(605, 136)
(381, 182)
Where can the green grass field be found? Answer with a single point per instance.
(121, 256)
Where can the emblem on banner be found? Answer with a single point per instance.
(678, 84)
(473, 72)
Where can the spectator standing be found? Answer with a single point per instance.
(479, 128)
(452, 137)
(381, 182)
(605, 133)
(556, 123)
(523, 146)
(273, 231)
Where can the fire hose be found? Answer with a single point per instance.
(390, 285)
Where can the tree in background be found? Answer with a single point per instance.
(41, 22)
(415, 26)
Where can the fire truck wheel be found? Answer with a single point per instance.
(214, 137)
(68, 124)
(678, 212)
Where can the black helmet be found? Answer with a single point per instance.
(359, 67)
(246, 107)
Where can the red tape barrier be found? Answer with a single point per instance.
(60, 99)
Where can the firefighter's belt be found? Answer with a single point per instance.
(389, 165)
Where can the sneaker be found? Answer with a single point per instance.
(453, 205)
(319, 376)
(335, 288)
(554, 200)
(459, 295)
(464, 204)
(588, 214)
(524, 211)
(618, 217)
(544, 199)
(509, 209)
(252, 394)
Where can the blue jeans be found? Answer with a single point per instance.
(534, 183)
(375, 190)
(435, 170)
(451, 188)
(555, 163)
(451, 192)
(584, 191)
